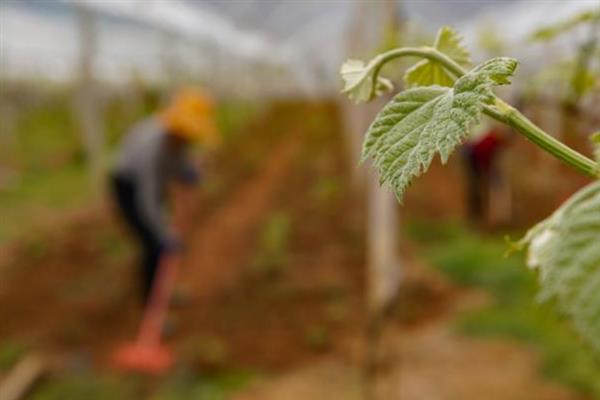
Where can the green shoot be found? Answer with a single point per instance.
(427, 72)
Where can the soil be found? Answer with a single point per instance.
(71, 290)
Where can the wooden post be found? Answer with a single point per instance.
(87, 105)
(383, 265)
(371, 23)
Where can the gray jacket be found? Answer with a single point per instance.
(150, 164)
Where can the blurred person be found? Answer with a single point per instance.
(487, 200)
(152, 156)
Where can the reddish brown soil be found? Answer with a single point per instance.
(54, 290)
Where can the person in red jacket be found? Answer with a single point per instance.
(481, 157)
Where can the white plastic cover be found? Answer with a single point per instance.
(250, 47)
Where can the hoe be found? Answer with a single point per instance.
(147, 354)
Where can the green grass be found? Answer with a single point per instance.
(181, 384)
(272, 253)
(10, 352)
(45, 137)
(45, 163)
(232, 116)
(478, 261)
(219, 386)
(88, 386)
(38, 196)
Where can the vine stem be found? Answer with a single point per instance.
(558, 149)
(499, 110)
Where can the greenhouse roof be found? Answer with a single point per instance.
(264, 43)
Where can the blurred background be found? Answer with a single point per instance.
(300, 278)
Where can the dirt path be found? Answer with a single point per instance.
(425, 361)
(227, 235)
(436, 363)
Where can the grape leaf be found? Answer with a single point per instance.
(422, 121)
(565, 248)
(427, 72)
(358, 81)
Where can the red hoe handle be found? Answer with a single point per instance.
(147, 354)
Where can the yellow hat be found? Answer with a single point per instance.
(191, 117)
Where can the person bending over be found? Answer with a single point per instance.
(152, 155)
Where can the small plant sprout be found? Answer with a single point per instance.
(445, 98)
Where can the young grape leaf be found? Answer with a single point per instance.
(427, 72)
(565, 248)
(421, 121)
(358, 81)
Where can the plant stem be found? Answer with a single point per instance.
(501, 111)
(424, 52)
(533, 133)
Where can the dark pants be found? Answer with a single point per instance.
(125, 193)
(481, 178)
(478, 180)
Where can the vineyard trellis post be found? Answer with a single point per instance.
(87, 104)
(367, 33)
